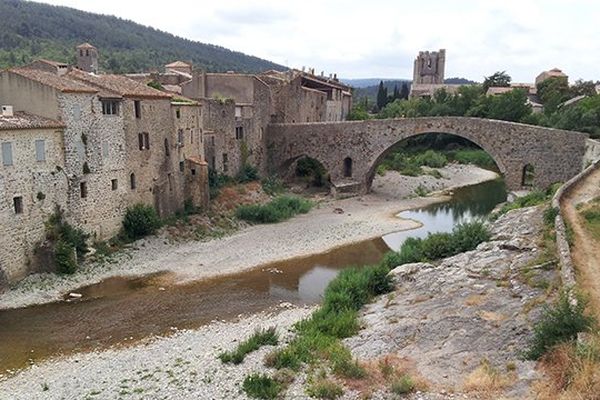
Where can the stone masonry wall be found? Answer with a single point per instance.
(42, 187)
(556, 155)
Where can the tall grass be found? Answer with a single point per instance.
(259, 338)
(472, 156)
(279, 209)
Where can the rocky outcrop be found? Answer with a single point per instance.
(479, 305)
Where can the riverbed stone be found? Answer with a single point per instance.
(450, 316)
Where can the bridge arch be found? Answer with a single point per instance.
(556, 155)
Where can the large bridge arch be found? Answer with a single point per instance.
(556, 155)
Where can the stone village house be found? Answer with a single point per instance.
(94, 144)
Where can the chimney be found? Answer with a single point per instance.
(7, 111)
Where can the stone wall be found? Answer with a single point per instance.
(592, 152)
(556, 155)
(294, 103)
(42, 185)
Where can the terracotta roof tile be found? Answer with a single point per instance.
(62, 83)
(23, 120)
(118, 84)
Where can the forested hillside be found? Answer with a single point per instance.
(34, 30)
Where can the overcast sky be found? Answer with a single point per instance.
(380, 39)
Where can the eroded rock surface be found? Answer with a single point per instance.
(468, 308)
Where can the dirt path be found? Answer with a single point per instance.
(586, 249)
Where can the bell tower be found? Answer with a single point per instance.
(87, 58)
(429, 67)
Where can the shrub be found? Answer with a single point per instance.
(468, 236)
(559, 323)
(403, 385)
(248, 173)
(140, 220)
(64, 256)
(259, 338)
(324, 389)
(550, 215)
(431, 158)
(272, 185)
(421, 191)
(437, 245)
(279, 209)
(261, 386)
(473, 156)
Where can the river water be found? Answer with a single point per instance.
(124, 310)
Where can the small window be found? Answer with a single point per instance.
(77, 112)
(81, 53)
(178, 113)
(193, 171)
(180, 137)
(170, 182)
(87, 53)
(40, 150)
(104, 149)
(225, 162)
(110, 107)
(83, 189)
(18, 204)
(144, 141)
(7, 156)
(132, 181)
(137, 105)
(239, 132)
(238, 112)
(191, 136)
(181, 166)
(167, 151)
(114, 184)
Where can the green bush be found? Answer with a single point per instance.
(464, 237)
(279, 209)
(559, 323)
(473, 156)
(140, 220)
(260, 386)
(258, 339)
(248, 173)
(64, 256)
(550, 215)
(403, 385)
(431, 158)
(272, 185)
(324, 389)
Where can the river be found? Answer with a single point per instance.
(125, 310)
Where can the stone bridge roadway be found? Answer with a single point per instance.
(351, 151)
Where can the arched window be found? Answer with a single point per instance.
(167, 152)
(347, 167)
(132, 181)
(528, 175)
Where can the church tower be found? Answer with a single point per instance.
(429, 67)
(87, 58)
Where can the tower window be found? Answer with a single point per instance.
(239, 132)
(18, 204)
(114, 184)
(132, 181)
(83, 190)
(137, 107)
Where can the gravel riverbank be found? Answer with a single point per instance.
(320, 230)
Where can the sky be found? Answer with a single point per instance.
(380, 39)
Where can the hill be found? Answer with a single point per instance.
(34, 30)
(371, 91)
(363, 83)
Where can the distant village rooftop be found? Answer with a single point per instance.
(61, 83)
(23, 120)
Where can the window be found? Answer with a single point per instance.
(104, 149)
(181, 166)
(87, 53)
(110, 107)
(191, 136)
(347, 167)
(77, 112)
(239, 132)
(7, 157)
(178, 113)
(193, 171)
(137, 106)
(83, 189)
(528, 177)
(180, 137)
(170, 182)
(18, 204)
(114, 184)
(81, 53)
(40, 150)
(238, 112)
(167, 151)
(132, 181)
(144, 141)
(225, 162)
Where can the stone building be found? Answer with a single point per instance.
(553, 73)
(87, 58)
(32, 183)
(428, 74)
(300, 96)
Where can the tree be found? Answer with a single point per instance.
(381, 96)
(396, 94)
(404, 91)
(552, 92)
(584, 88)
(497, 79)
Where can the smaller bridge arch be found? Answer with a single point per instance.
(556, 155)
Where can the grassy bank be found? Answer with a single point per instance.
(279, 209)
(317, 343)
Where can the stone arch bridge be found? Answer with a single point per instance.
(351, 151)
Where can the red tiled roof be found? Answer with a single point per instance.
(23, 120)
(62, 83)
(118, 84)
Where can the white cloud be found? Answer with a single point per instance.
(380, 38)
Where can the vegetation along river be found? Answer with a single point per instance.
(123, 310)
